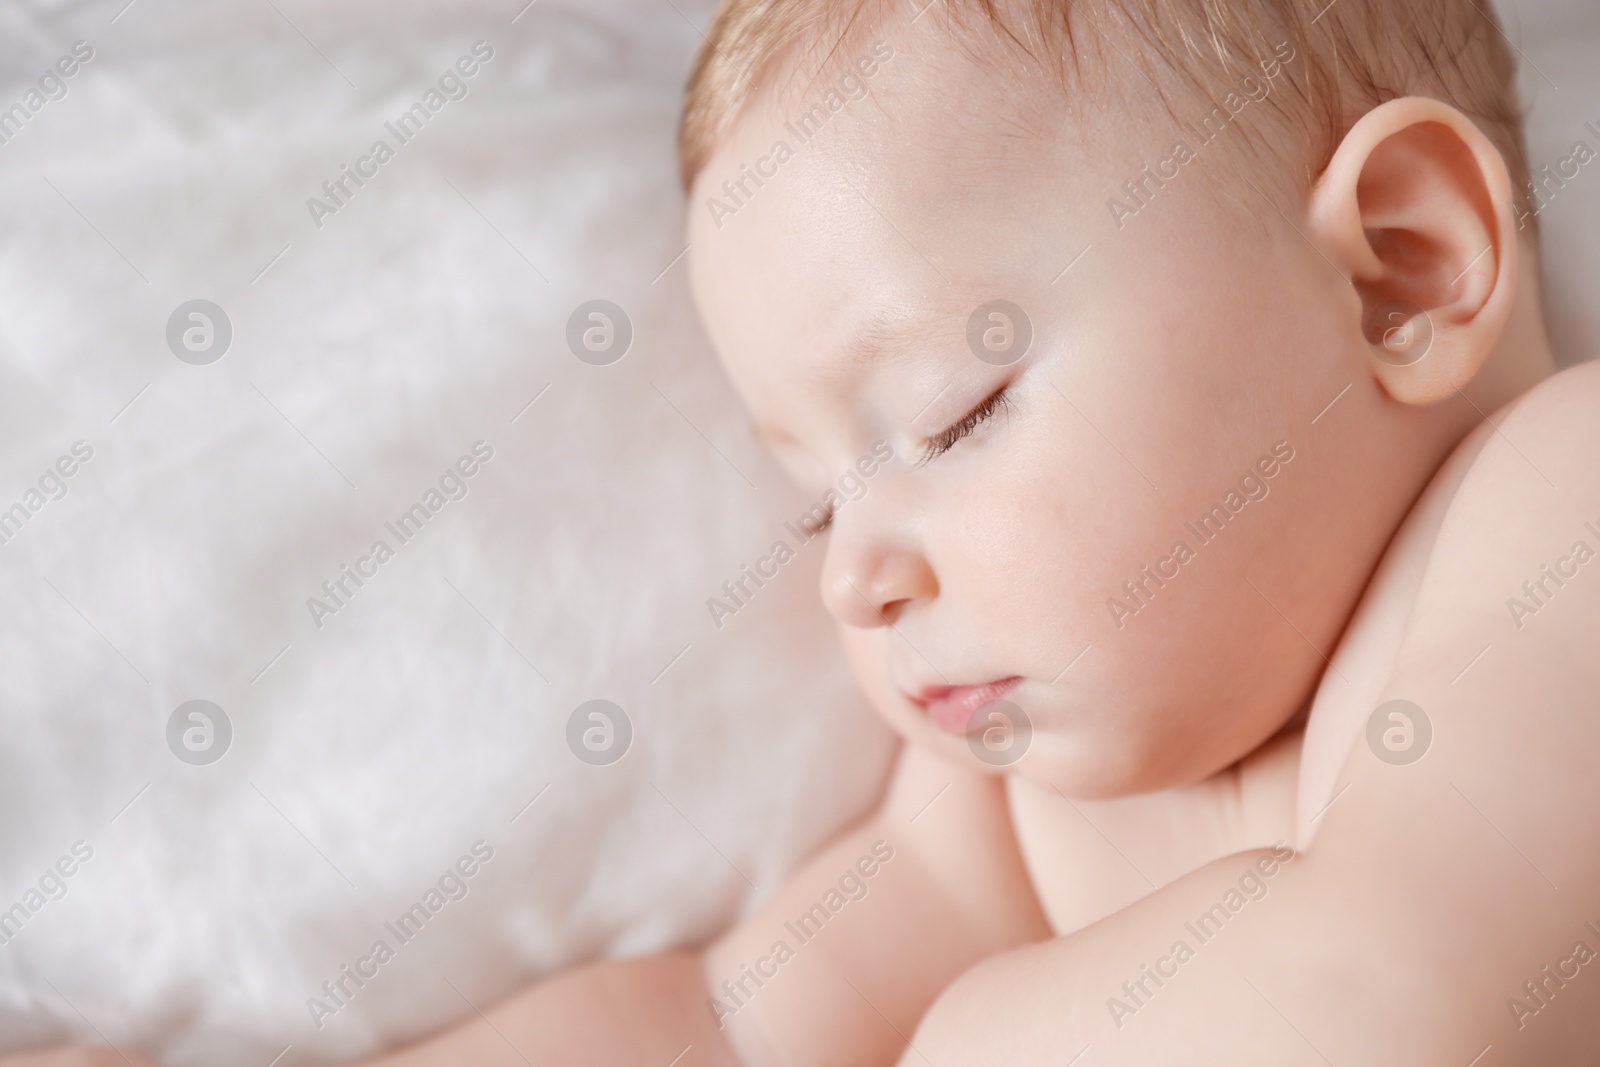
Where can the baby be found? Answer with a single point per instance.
(1233, 580)
(1233, 584)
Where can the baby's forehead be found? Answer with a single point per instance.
(888, 173)
(968, 129)
(926, 119)
(906, 181)
(934, 91)
(987, 77)
(949, 83)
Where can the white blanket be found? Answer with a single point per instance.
(399, 768)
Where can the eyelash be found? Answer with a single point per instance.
(946, 439)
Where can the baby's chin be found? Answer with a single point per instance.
(1086, 770)
(1060, 760)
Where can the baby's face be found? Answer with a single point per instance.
(1175, 367)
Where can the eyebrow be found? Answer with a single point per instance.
(881, 334)
(878, 335)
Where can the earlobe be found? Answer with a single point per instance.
(1415, 209)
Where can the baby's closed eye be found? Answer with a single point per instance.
(947, 438)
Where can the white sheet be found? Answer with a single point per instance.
(374, 752)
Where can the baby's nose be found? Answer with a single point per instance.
(865, 585)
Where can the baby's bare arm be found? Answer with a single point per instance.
(642, 1011)
(1448, 906)
(954, 892)
(871, 930)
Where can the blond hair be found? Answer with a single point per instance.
(1351, 55)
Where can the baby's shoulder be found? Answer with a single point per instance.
(1560, 418)
(1506, 535)
(1567, 401)
(1468, 792)
(1522, 524)
(1498, 662)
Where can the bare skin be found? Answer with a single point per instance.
(1210, 748)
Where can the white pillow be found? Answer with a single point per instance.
(429, 709)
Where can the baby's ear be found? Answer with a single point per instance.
(1415, 209)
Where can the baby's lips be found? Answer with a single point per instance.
(950, 707)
